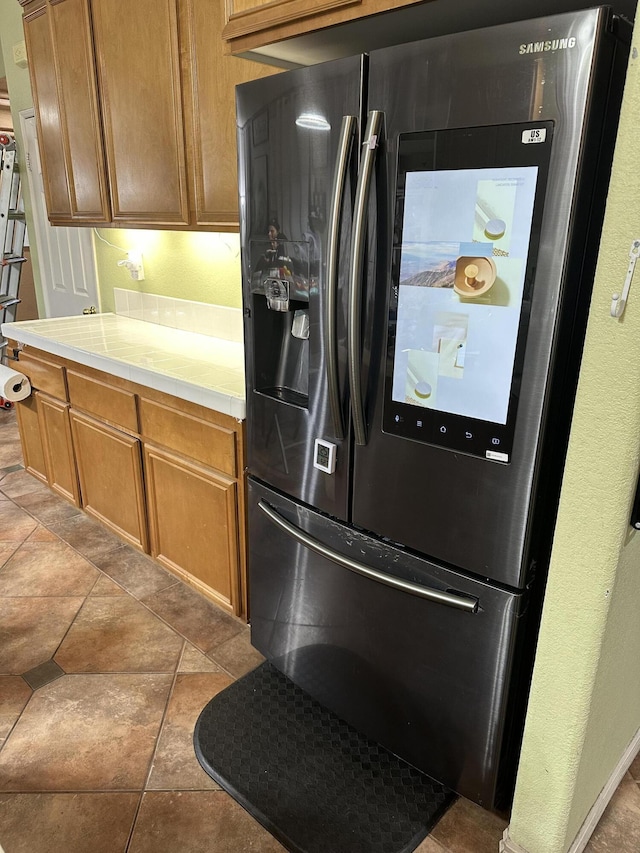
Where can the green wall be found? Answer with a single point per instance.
(585, 701)
(201, 266)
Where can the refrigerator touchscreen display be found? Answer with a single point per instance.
(463, 250)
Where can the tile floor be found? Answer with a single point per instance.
(106, 660)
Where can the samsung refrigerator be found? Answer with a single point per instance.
(419, 229)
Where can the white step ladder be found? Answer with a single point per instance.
(12, 234)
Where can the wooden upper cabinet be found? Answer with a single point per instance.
(210, 78)
(67, 114)
(252, 16)
(138, 60)
(253, 24)
(106, 83)
(135, 105)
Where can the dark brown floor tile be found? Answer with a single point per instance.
(237, 655)
(43, 674)
(198, 822)
(175, 766)
(31, 630)
(105, 586)
(87, 536)
(619, 826)
(21, 482)
(138, 574)
(468, 828)
(47, 568)
(75, 823)
(47, 507)
(86, 733)
(14, 695)
(200, 621)
(194, 660)
(117, 634)
(15, 523)
(634, 770)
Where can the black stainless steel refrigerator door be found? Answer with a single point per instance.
(545, 77)
(346, 618)
(298, 140)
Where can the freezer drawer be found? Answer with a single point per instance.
(428, 677)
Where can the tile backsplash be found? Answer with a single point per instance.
(217, 321)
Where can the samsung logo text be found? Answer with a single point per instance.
(544, 46)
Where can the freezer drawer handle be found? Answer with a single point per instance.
(369, 145)
(347, 131)
(461, 602)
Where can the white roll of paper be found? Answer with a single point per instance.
(14, 386)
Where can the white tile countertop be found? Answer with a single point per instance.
(192, 366)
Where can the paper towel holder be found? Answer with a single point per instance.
(14, 386)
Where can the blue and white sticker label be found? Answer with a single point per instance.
(536, 134)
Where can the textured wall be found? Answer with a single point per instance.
(585, 701)
(204, 267)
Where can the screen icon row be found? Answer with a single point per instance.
(477, 438)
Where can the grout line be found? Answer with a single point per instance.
(147, 777)
(154, 752)
(133, 822)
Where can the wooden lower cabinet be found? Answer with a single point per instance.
(110, 472)
(192, 523)
(58, 448)
(31, 437)
(164, 474)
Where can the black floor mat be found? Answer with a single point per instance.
(313, 781)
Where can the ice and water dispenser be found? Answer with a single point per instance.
(280, 295)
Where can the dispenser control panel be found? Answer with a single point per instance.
(324, 456)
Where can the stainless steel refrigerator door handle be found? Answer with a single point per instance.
(347, 131)
(358, 237)
(461, 602)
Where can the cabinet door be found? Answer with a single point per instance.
(210, 78)
(58, 448)
(139, 80)
(266, 20)
(110, 471)
(31, 437)
(63, 80)
(251, 16)
(193, 525)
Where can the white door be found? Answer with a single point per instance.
(66, 258)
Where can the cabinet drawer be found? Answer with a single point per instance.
(43, 375)
(208, 443)
(104, 401)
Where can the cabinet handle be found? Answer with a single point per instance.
(369, 145)
(461, 602)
